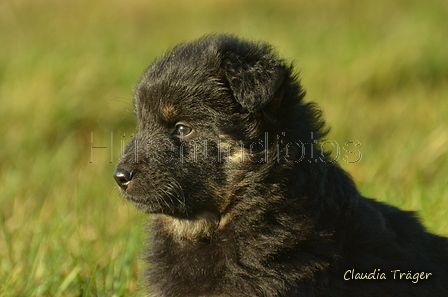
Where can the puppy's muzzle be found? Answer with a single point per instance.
(123, 177)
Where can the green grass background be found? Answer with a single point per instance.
(379, 69)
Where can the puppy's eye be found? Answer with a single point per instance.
(182, 130)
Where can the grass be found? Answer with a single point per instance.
(379, 69)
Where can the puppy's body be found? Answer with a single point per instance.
(245, 201)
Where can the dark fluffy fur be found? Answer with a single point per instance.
(281, 220)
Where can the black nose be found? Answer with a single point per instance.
(123, 177)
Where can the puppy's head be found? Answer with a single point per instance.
(204, 111)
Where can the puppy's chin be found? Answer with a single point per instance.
(155, 205)
(149, 208)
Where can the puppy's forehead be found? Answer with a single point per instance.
(153, 103)
(182, 83)
(169, 102)
(177, 96)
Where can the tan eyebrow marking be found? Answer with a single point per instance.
(169, 112)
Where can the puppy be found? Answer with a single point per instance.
(245, 201)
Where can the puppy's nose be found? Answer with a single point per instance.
(123, 177)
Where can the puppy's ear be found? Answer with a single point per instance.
(254, 83)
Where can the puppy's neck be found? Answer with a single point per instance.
(199, 227)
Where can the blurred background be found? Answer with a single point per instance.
(379, 70)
